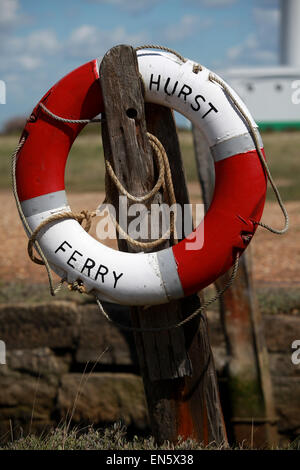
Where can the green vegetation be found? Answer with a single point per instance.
(279, 300)
(28, 293)
(85, 167)
(272, 300)
(113, 438)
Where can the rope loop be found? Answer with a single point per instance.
(196, 68)
(83, 215)
(161, 158)
(161, 48)
(198, 312)
(164, 181)
(214, 78)
(70, 121)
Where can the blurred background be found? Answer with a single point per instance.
(41, 41)
(255, 46)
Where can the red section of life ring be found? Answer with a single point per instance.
(240, 186)
(239, 198)
(41, 163)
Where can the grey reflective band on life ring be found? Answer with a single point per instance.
(47, 202)
(235, 145)
(169, 274)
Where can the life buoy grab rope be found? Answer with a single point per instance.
(153, 278)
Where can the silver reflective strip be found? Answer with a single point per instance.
(98, 62)
(44, 203)
(238, 144)
(169, 274)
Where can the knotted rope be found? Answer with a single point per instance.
(214, 78)
(164, 180)
(84, 215)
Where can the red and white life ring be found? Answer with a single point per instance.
(139, 279)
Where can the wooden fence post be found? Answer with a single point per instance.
(176, 365)
(249, 379)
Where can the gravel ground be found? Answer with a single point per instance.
(276, 259)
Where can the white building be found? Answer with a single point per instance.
(272, 94)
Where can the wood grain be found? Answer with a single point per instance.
(176, 365)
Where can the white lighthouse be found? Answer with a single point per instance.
(269, 92)
(290, 33)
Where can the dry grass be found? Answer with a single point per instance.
(113, 438)
(85, 167)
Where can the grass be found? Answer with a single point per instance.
(28, 293)
(85, 173)
(85, 167)
(272, 300)
(278, 300)
(112, 438)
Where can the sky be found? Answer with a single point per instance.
(41, 41)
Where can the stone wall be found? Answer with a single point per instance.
(66, 363)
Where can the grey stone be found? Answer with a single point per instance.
(53, 325)
(39, 361)
(26, 397)
(101, 341)
(281, 366)
(103, 398)
(281, 331)
(287, 403)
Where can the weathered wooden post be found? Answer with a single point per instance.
(249, 380)
(177, 365)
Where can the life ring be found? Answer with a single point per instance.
(154, 278)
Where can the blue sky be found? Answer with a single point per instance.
(40, 41)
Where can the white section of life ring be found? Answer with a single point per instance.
(140, 279)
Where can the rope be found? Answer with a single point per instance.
(23, 218)
(213, 78)
(164, 179)
(70, 121)
(84, 215)
(162, 161)
(32, 235)
(196, 67)
(162, 48)
(181, 323)
(138, 244)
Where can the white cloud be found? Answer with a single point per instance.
(186, 27)
(267, 16)
(267, 21)
(9, 10)
(88, 41)
(251, 51)
(43, 41)
(182, 29)
(28, 62)
(234, 52)
(134, 6)
(27, 52)
(213, 3)
(261, 46)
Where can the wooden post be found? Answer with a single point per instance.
(176, 365)
(249, 380)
